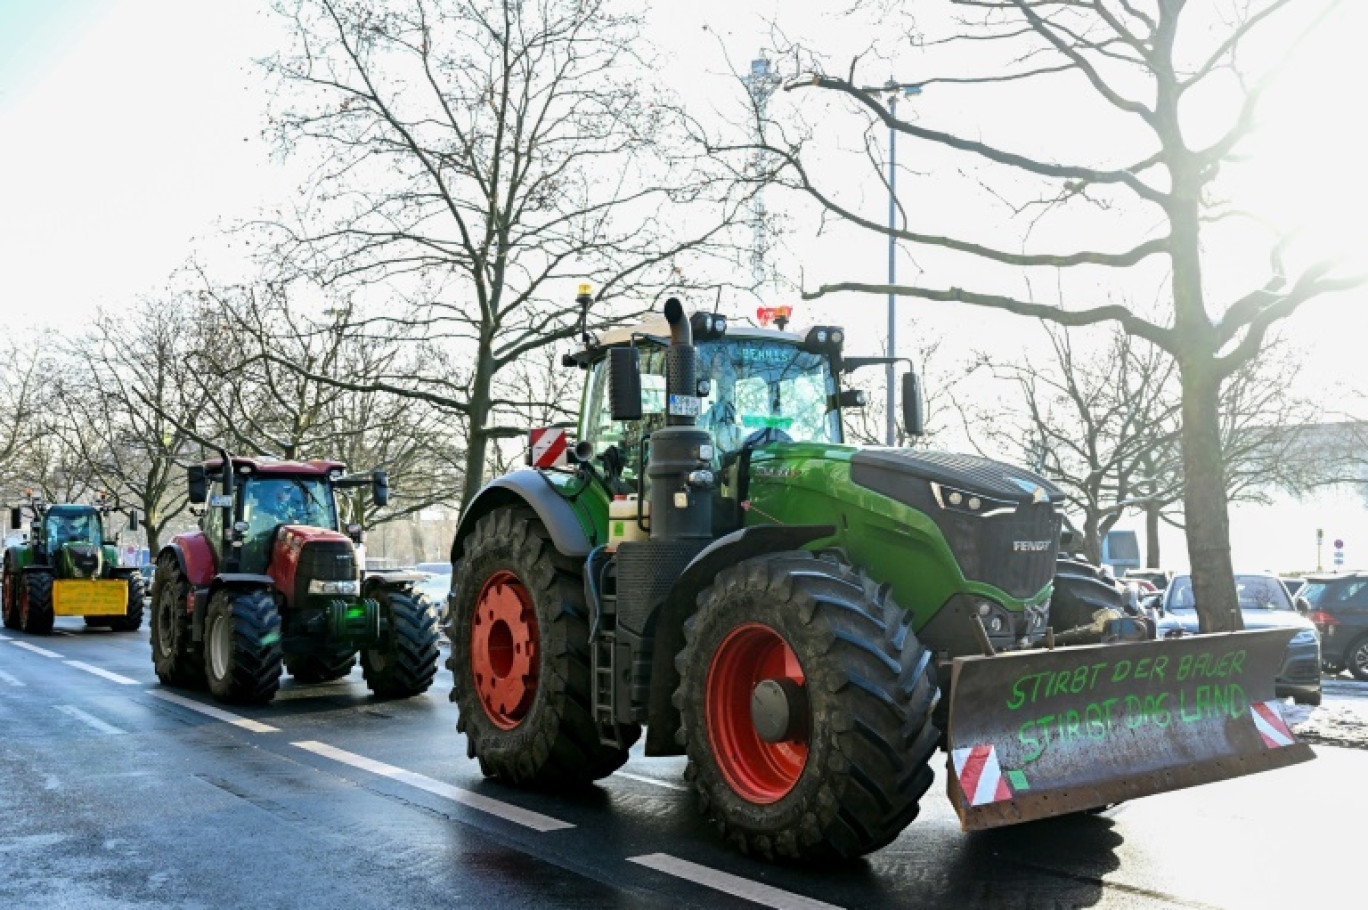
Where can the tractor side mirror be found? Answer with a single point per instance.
(853, 398)
(624, 383)
(16, 519)
(199, 484)
(912, 416)
(380, 488)
(132, 519)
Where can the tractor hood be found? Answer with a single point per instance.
(895, 472)
(81, 560)
(304, 555)
(1001, 522)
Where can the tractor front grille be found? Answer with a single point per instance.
(324, 560)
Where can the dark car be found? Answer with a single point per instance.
(1339, 608)
(1264, 604)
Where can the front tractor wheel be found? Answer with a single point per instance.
(35, 603)
(806, 704)
(132, 620)
(520, 659)
(406, 660)
(242, 646)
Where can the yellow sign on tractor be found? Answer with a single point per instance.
(89, 597)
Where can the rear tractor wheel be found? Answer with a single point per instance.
(177, 659)
(520, 659)
(242, 646)
(806, 704)
(9, 595)
(406, 660)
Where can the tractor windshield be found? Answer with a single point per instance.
(72, 527)
(759, 385)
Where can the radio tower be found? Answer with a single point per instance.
(761, 83)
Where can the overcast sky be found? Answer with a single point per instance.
(131, 128)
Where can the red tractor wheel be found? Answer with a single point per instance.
(761, 771)
(806, 705)
(503, 649)
(519, 661)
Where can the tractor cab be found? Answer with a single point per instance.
(73, 536)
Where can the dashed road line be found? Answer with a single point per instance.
(88, 719)
(655, 781)
(5, 638)
(11, 680)
(112, 677)
(525, 817)
(35, 649)
(727, 883)
(211, 711)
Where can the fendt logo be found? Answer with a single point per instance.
(1030, 546)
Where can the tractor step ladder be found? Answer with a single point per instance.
(605, 672)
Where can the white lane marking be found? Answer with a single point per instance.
(649, 780)
(88, 719)
(61, 632)
(35, 649)
(11, 680)
(216, 713)
(5, 638)
(112, 677)
(730, 884)
(525, 817)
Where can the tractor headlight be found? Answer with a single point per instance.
(953, 500)
(319, 586)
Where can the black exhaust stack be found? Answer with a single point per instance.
(680, 468)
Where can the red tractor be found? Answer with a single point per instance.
(272, 578)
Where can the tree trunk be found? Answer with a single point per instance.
(1205, 507)
(1152, 537)
(481, 394)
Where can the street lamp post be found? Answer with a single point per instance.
(892, 89)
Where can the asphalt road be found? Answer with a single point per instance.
(117, 792)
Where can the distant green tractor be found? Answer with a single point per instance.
(69, 567)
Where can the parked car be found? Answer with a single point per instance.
(1294, 585)
(1339, 608)
(1264, 604)
(147, 571)
(1159, 578)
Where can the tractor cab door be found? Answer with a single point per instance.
(598, 427)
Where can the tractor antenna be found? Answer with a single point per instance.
(584, 299)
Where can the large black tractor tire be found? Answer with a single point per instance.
(321, 667)
(133, 619)
(178, 660)
(1080, 590)
(406, 660)
(825, 664)
(242, 655)
(35, 603)
(520, 659)
(9, 596)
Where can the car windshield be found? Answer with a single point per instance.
(1256, 592)
(1332, 592)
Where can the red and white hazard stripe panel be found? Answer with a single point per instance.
(980, 776)
(548, 448)
(1268, 720)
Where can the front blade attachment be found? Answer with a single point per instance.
(1035, 734)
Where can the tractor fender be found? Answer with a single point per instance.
(666, 625)
(193, 556)
(527, 487)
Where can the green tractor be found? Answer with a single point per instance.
(810, 621)
(69, 566)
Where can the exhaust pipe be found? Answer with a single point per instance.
(681, 365)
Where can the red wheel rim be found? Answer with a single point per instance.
(503, 649)
(760, 772)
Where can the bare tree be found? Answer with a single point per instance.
(1129, 72)
(1105, 424)
(479, 159)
